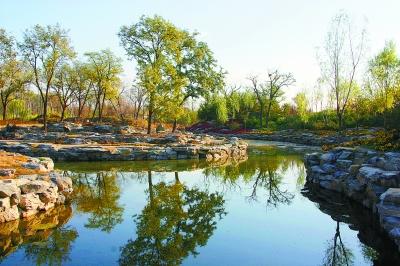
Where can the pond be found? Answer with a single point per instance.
(256, 212)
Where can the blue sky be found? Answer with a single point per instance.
(247, 37)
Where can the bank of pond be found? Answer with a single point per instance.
(254, 212)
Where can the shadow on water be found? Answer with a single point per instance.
(177, 217)
(376, 245)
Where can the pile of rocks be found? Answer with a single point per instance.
(366, 176)
(306, 137)
(27, 195)
(212, 150)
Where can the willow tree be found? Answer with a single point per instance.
(45, 49)
(104, 69)
(172, 65)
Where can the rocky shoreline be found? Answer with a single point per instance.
(365, 176)
(23, 195)
(308, 138)
(71, 142)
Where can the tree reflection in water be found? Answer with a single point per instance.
(175, 221)
(98, 194)
(55, 250)
(261, 173)
(337, 254)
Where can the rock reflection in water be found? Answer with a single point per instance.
(376, 246)
(45, 237)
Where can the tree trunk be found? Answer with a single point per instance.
(45, 115)
(149, 120)
(62, 113)
(261, 115)
(267, 115)
(174, 126)
(4, 111)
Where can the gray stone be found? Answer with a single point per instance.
(344, 164)
(328, 157)
(391, 196)
(328, 168)
(345, 155)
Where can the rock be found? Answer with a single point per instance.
(30, 201)
(9, 214)
(328, 168)
(395, 233)
(103, 129)
(7, 173)
(343, 164)
(5, 203)
(36, 186)
(47, 163)
(63, 183)
(327, 157)
(7, 190)
(391, 196)
(34, 166)
(346, 155)
(317, 170)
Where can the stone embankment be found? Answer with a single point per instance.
(305, 137)
(23, 195)
(365, 176)
(130, 148)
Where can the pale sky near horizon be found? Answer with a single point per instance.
(247, 37)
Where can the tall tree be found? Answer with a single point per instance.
(104, 70)
(172, 65)
(259, 91)
(84, 85)
(13, 74)
(45, 49)
(302, 106)
(342, 55)
(275, 84)
(384, 69)
(65, 84)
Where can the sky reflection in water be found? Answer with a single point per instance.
(185, 212)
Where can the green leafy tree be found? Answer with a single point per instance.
(104, 69)
(45, 49)
(172, 65)
(384, 69)
(302, 105)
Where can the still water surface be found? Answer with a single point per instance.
(187, 212)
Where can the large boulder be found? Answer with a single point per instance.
(35, 186)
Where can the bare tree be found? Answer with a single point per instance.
(341, 60)
(276, 82)
(137, 96)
